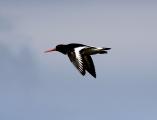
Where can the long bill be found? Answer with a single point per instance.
(50, 50)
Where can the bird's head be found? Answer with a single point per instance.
(60, 48)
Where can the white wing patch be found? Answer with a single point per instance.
(79, 57)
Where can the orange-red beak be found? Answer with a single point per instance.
(50, 50)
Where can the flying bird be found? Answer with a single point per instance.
(79, 55)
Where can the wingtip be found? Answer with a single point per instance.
(94, 75)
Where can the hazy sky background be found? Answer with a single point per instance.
(38, 86)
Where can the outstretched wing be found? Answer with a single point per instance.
(77, 61)
(82, 61)
(89, 65)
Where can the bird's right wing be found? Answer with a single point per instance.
(89, 65)
(77, 61)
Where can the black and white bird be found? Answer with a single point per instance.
(79, 55)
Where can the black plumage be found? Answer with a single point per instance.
(79, 55)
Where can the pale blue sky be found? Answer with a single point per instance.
(38, 86)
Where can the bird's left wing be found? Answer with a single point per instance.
(77, 60)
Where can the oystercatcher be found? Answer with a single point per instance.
(79, 55)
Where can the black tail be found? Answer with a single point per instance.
(106, 48)
(103, 51)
